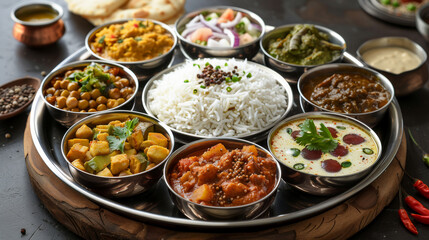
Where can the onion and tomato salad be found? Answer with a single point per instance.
(229, 29)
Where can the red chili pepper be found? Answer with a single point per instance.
(136, 25)
(416, 205)
(404, 216)
(422, 188)
(421, 218)
(113, 36)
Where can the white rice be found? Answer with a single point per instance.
(252, 104)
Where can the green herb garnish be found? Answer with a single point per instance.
(197, 65)
(118, 135)
(411, 7)
(228, 89)
(195, 91)
(235, 78)
(226, 64)
(102, 39)
(241, 28)
(207, 63)
(202, 86)
(227, 79)
(368, 151)
(142, 25)
(341, 127)
(92, 77)
(249, 75)
(138, 39)
(315, 140)
(217, 67)
(120, 40)
(186, 81)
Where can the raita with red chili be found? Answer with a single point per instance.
(222, 177)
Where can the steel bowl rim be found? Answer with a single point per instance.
(253, 15)
(220, 139)
(120, 112)
(329, 31)
(383, 80)
(56, 71)
(359, 52)
(280, 80)
(328, 115)
(100, 27)
(54, 6)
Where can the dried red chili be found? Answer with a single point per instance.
(404, 216)
(416, 205)
(421, 218)
(422, 188)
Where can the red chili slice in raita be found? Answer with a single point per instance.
(353, 139)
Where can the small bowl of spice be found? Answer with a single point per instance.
(422, 21)
(38, 23)
(401, 60)
(15, 96)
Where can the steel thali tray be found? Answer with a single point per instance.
(156, 207)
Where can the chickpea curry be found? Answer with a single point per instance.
(93, 88)
(221, 177)
(119, 148)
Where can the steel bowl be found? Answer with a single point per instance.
(293, 71)
(185, 137)
(121, 186)
(193, 51)
(68, 118)
(369, 118)
(162, 60)
(40, 33)
(319, 184)
(422, 16)
(203, 212)
(406, 82)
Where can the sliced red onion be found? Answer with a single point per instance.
(231, 36)
(236, 38)
(233, 22)
(219, 35)
(209, 24)
(193, 21)
(191, 29)
(256, 26)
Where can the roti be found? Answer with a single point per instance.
(94, 8)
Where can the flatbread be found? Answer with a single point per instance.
(94, 8)
(161, 10)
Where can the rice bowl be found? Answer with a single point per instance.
(243, 98)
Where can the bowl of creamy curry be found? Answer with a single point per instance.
(133, 42)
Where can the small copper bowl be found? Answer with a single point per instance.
(38, 23)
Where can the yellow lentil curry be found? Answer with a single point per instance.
(132, 41)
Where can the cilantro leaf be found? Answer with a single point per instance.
(315, 140)
(120, 134)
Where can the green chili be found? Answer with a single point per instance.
(368, 151)
(295, 152)
(346, 164)
(228, 89)
(298, 166)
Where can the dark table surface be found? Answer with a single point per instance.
(20, 207)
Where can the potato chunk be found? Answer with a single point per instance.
(84, 132)
(97, 148)
(119, 163)
(126, 172)
(105, 173)
(102, 136)
(83, 142)
(157, 153)
(251, 149)
(207, 173)
(217, 150)
(136, 139)
(146, 144)
(202, 194)
(158, 139)
(78, 164)
(77, 151)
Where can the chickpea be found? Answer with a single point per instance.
(101, 107)
(71, 102)
(120, 101)
(85, 96)
(82, 110)
(67, 74)
(64, 84)
(111, 103)
(101, 100)
(92, 110)
(61, 102)
(95, 93)
(65, 93)
(57, 93)
(50, 90)
(74, 94)
(73, 86)
(92, 103)
(51, 99)
(83, 104)
(57, 84)
(117, 78)
(74, 109)
(125, 82)
(124, 92)
(114, 93)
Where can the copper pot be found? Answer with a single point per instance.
(38, 32)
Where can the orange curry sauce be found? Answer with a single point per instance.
(220, 177)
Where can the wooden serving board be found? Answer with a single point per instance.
(91, 221)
